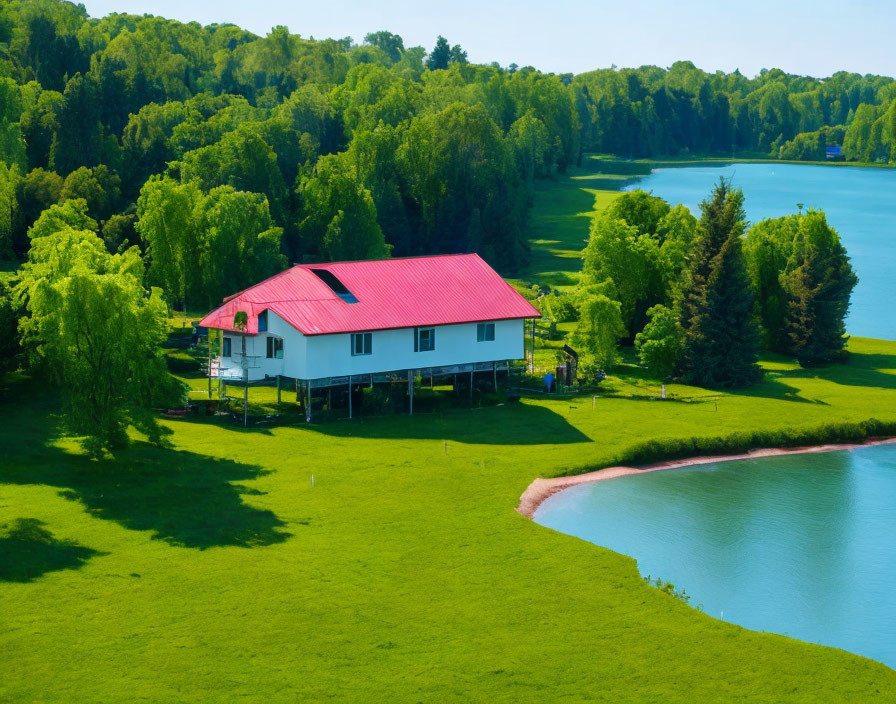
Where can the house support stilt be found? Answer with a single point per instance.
(471, 387)
(308, 402)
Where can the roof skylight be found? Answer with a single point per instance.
(335, 285)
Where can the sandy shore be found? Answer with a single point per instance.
(540, 489)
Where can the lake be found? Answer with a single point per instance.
(860, 204)
(801, 545)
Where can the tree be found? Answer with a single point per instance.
(9, 208)
(240, 245)
(99, 186)
(35, 193)
(10, 350)
(640, 209)
(676, 231)
(532, 144)
(458, 55)
(79, 139)
(659, 343)
(241, 159)
(203, 247)
(118, 231)
(440, 55)
(722, 216)
(721, 348)
(818, 281)
(599, 328)
(97, 332)
(12, 145)
(167, 221)
(340, 218)
(767, 248)
(616, 251)
(70, 214)
(392, 44)
(459, 171)
(721, 336)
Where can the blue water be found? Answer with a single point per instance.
(860, 204)
(802, 545)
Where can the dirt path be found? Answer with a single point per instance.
(541, 489)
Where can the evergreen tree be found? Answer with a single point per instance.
(722, 217)
(819, 281)
(440, 55)
(721, 343)
(722, 346)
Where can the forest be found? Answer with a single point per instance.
(332, 149)
(148, 164)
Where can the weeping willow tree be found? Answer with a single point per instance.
(93, 329)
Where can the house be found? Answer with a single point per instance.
(834, 152)
(349, 323)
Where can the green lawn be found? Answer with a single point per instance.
(213, 571)
(561, 218)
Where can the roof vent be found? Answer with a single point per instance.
(334, 284)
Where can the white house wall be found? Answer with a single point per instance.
(330, 355)
(294, 350)
(319, 356)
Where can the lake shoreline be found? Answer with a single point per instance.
(541, 489)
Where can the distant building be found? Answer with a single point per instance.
(834, 153)
(347, 323)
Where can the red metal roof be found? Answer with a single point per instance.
(391, 293)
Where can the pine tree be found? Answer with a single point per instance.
(819, 281)
(722, 216)
(440, 55)
(722, 345)
(721, 341)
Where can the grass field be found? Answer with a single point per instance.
(215, 570)
(562, 217)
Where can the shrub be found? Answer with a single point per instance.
(661, 449)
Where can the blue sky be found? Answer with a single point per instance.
(815, 38)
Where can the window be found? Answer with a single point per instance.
(424, 339)
(263, 321)
(485, 332)
(361, 343)
(225, 347)
(275, 348)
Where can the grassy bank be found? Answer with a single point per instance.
(216, 570)
(561, 217)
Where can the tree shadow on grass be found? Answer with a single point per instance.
(772, 387)
(861, 369)
(28, 551)
(186, 499)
